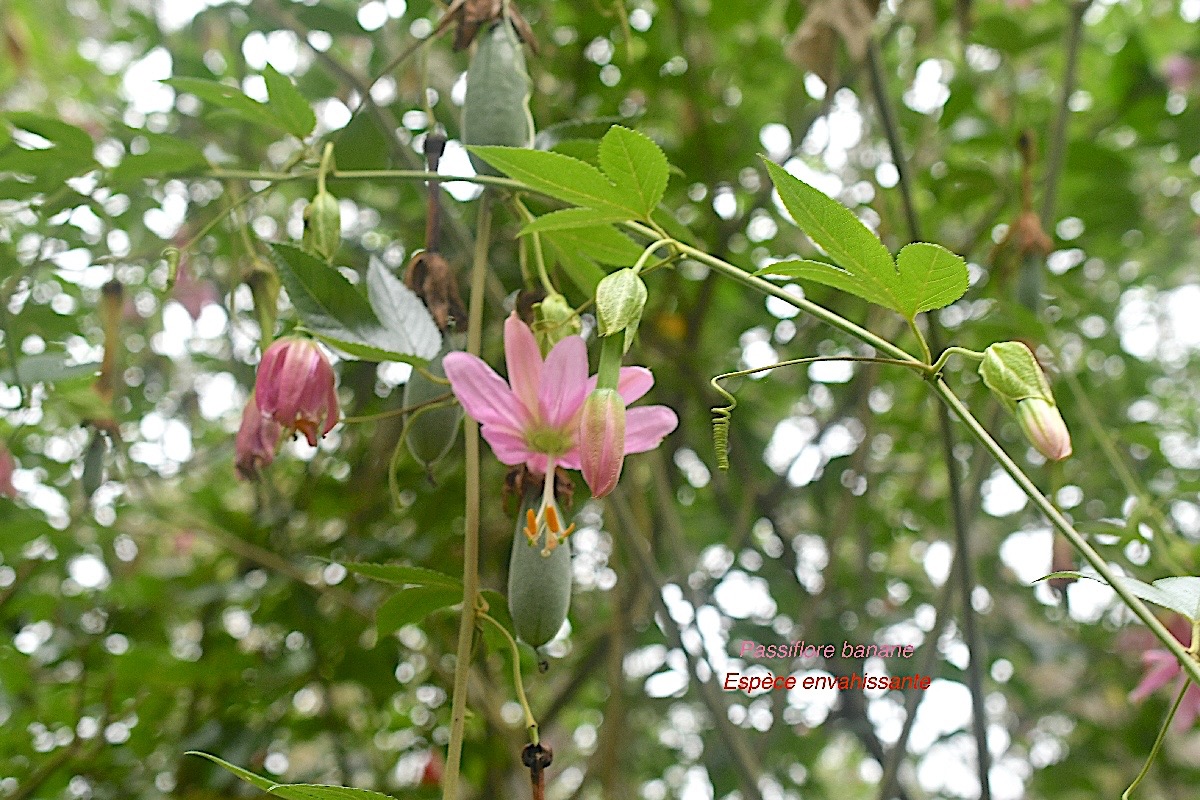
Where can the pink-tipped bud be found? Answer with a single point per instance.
(1043, 426)
(602, 440)
(8, 465)
(257, 439)
(295, 387)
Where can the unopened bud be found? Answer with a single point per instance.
(554, 319)
(602, 440)
(323, 225)
(1043, 426)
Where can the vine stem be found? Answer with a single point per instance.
(466, 628)
(1162, 734)
(956, 406)
(530, 722)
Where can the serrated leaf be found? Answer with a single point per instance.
(925, 276)
(293, 791)
(288, 105)
(404, 575)
(559, 176)
(167, 155)
(409, 606)
(336, 313)
(636, 165)
(930, 277)
(585, 273)
(570, 218)
(603, 244)
(402, 312)
(229, 98)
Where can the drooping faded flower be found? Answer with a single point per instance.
(534, 418)
(295, 387)
(257, 439)
(1163, 668)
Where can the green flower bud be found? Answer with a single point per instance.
(323, 226)
(554, 319)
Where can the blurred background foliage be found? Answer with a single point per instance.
(151, 603)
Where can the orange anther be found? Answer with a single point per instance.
(531, 526)
(552, 519)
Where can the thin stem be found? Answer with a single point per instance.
(397, 412)
(1162, 734)
(530, 722)
(539, 258)
(940, 364)
(925, 351)
(466, 628)
(649, 251)
(1056, 157)
(326, 160)
(891, 129)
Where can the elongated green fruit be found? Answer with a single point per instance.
(539, 586)
(496, 108)
(431, 432)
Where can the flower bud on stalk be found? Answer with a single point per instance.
(602, 440)
(295, 387)
(1013, 374)
(1043, 426)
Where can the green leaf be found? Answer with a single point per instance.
(336, 313)
(585, 273)
(47, 368)
(69, 154)
(402, 313)
(404, 575)
(930, 277)
(288, 105)
(227, 97)
(293, 791)
(569, 218)
(166, 155)
(561, 177)
(249, 777)
(636, 165)
(603, 244)
(1179, 594)
(409, 606)
(925, 276)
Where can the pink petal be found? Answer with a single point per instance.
(632, 383)
(646, 427)
(1163, 667)
(570, 459)
(483, 393)
(564, 382)
(1189, 709)
(524, 361)
(509, 447)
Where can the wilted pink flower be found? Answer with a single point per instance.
(602, 440)
(534, 419)
(1044, 428)
(295, 387)
(193, 294)
(257, 439)
(1163, 668)
(8, 465)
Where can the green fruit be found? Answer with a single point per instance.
(539, 586)
(496, 108)
(431, 432)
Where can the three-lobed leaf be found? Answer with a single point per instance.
(923, 276)
(634, 177)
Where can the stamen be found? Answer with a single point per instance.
(552, 519)
(531, 526)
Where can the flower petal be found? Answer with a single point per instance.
(646, 427)
(632, 383)
(483, 393)
(1189, 709)
(524, 362)
(509, 447)
(1163, 667)
(564, 383)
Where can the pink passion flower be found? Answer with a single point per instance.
(1162, 668)
(295, 388)
(536, 417)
